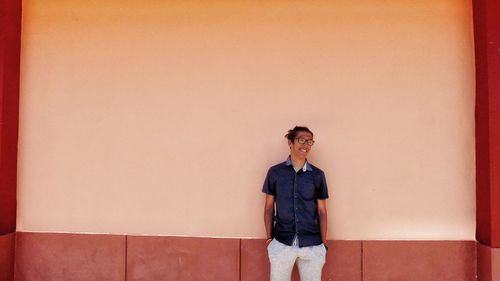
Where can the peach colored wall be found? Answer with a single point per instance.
(162, 117)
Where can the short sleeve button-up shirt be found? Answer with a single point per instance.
(296, 196)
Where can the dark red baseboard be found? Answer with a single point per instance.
(55, 256)
(7, 245)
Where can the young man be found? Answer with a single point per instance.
(295, 212)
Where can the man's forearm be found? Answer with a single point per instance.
(323, 226)
(268, 221)
(269, 214)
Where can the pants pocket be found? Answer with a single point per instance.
(275, 250)
(319, 252)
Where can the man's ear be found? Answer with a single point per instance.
(289, 142)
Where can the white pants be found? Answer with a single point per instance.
(310, 261)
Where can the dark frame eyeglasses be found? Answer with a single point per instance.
(303, 141)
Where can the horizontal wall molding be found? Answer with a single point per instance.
(53, 256)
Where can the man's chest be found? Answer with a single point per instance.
(298, 185)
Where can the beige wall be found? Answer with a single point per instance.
(162, 117)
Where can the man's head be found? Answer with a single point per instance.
(300, 141)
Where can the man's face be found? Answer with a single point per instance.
(297, 150)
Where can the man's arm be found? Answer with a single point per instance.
(268, 215)
(323, 221)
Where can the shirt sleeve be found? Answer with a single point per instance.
(269, 186)
(321, 187)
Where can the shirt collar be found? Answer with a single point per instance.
(307, 166)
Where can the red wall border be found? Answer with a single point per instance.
(487, 47)
(487, 51)
(55, 256)
(10, 45)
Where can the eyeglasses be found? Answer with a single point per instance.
(302, 141)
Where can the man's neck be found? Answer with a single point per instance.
(298, 163)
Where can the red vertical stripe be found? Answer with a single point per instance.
(487, 47)
(10, 37)
(493, 50)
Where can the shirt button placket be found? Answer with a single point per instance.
(295, 197)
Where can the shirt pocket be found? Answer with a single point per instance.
(284, 187)
(307, 189)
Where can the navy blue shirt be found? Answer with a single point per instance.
(296, 196)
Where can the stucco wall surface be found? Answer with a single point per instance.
(162, 117)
